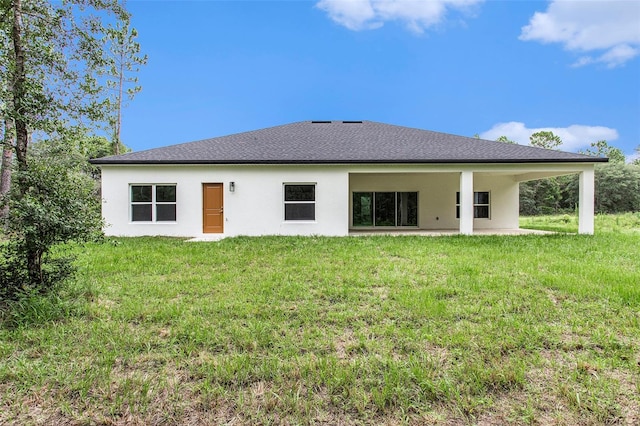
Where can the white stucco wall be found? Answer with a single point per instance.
(504, 198)
(256, 207)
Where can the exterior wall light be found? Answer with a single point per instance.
(232, 187)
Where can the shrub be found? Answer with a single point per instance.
(50, 205)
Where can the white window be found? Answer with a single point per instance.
(480, 205)
(299, 201)
(153, 202)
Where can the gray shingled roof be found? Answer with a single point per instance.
(343, 142)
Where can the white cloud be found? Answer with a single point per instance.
(609, 28)
(573, 137)
(417, 15)
(353, 14)
(618, 55)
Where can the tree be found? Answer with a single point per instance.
(603, 149)
(545, 139)
(54, 56)
(6, 122)
(73, 149)
(62, 204)
(125, 52)
(617, 184)
(617, 188)
(5, 166)
(541, 196)
(505, 140)
(636, 162)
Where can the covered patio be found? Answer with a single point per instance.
(453, 199)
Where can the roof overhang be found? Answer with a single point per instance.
(101, 162)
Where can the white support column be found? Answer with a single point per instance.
(586, 202)
(466, 203)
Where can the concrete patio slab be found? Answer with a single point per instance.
(206, 238)
(445, 232)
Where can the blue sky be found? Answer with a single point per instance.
(457, 66)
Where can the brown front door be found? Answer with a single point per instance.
(212, 208)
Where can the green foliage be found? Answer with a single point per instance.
(54, 205)
(72, 149)
(636, 162)
(617, 185)
(542, 196)
(60, 205)
(55, 80)
(603, 149)
(545, 139)
(617, 189)
(528, 204)
(504, 139)
(15, 281)
(125, 51)
(121, 75)
(53, 56)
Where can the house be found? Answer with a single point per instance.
(329, 178)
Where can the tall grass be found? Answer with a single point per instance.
(376, 330)
(617, 223)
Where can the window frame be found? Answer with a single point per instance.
(153, 203)
(476, 204)
(286, 202)
(397, 195)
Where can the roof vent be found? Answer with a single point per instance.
(352, 122)
(321, 122)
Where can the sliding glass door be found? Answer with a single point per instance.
(389, 209)
(384, 211)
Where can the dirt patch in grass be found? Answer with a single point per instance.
(344, 343)
(382, 293)
(440, 355)
(569, 390)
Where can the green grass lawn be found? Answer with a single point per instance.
(626, 223)
(536, 329)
